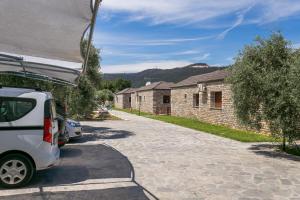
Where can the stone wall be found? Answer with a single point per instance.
(134, 102)
(151, 101)
(146, 103)
(159, 106)
(182, 104)
(118, 101)
(122, 101)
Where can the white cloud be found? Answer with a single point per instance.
(114, 52)
(202, 57)
(197, 11)
(230, 59)
(136, 67)
(279, 9)
(174, 11)
(296, 45)
(239, 21)
(188, 52)
(102, 38)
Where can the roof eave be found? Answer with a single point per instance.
(188, 85)
(195, 84)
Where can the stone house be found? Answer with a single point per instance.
(122, 99)
(153, 98)
(205, 97)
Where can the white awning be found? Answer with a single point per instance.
(44, 28)
(39, 68)
(44, 37)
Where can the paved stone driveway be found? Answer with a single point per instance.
(173, 162)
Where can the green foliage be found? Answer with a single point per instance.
(104, 95)
(266, 87)
(81, 101)
(116, 85)
(239, 135)
(93, 72)
(18, 81)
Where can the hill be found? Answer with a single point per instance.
(170, 75)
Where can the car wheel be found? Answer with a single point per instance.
(16, 170)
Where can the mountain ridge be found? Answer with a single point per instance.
(175, 75)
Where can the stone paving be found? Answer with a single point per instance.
(173, 162)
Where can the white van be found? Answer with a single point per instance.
(28, 135)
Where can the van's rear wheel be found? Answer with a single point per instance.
(16, 170)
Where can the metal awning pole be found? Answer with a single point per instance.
(93, 23)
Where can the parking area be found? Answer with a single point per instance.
(139, 158)
(85, 172)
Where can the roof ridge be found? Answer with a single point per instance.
(193, 80)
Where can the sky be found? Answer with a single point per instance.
(134, 35)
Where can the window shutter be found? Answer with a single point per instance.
(218, 99)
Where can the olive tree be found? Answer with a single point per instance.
(104, 95)
(266, 87)
(82, 98)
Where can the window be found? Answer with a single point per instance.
(50, 110)
(12, 109)
(166, 99)
(204, 98)
(196, 100)
(129, 99)
(140, 98)
(216, 100)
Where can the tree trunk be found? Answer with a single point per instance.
(284, 142)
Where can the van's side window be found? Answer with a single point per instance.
(12, 109)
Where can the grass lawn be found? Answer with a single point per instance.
(223, 131)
